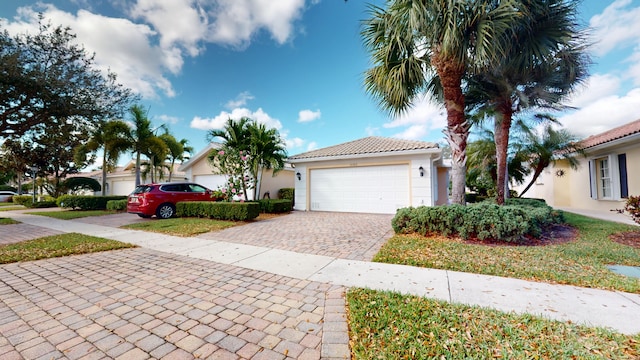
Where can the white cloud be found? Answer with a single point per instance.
(219, 121)
(294, 143)
(372, 131)
(119, 44)
(595, 87)
(166, 119)
(234, 22)
(312, 146)
(424, 117)
(308, 115)
(603, 114)
(415, 132)
(617, 26)
(240, 100)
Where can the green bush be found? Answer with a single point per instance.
(287, 193)
(275, 206)
(117, 205)
(236, 211)
(22, 200)
(533, 202)
(86, 202)
(44, 204)
(483, 221)
(46, 201)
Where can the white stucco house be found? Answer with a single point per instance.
(370, 175)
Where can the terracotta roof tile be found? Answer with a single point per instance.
(610, 135)
(368, 145)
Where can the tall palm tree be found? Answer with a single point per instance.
(545, 60)
(143, 139)
(113, 138)
(235, 134)
(416, 44)
(178, 150)
(267, 150)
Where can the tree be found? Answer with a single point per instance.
(178, 150)
(247, 142)
(47, 79)
(144, 141)
(418, 45)
(267, 151)
(544, 60)
(113, 137)
(545, 146)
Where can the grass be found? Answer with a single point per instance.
(385, 325)
(181, 226)
(580, 263)
(10, 206)
(72, 214)
(56, 246)
(7, 221)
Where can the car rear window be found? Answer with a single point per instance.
(141, 189)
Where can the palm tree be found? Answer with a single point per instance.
(235, 134)
(113, 138)
(143, 140)
(418, 44)
(544, 147)
(267, 150)
(543, 63)
(178, 150)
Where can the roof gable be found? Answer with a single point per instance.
(611, 135)
(368, 145)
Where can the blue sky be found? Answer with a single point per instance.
(297, 65)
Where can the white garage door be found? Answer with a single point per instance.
(210, 181)
(367, 189)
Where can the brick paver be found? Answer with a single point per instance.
(345, 235)
(139, 304)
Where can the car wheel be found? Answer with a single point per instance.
(144, 216)
(165, 211)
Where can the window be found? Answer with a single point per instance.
(608, 177)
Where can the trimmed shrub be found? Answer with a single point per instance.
(275, 206)
(117, 205)
(533, 202)
(86, 202)
(236, 211)
(288, 193)
(46, 201)
(44, 204)
(22, 199)
(8, 188)
(483, 221)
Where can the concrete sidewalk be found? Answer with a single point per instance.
(616, 310)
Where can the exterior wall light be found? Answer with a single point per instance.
(421, 169)
(298, 175)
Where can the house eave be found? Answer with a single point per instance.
(367, 155)
(614, 143)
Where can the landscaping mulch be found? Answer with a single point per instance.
(630, 238)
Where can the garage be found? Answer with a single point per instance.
(210, 181)
(366, 189)
(370, 175)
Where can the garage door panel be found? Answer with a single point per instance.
(370, 189)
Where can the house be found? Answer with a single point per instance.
(607, 174)
(122, 180)
(199, 170)
(370, 175)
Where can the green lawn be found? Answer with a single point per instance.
(182, 226)
(56, 246)
(72, 214)
(7, 221)
(581, 262)
(390, 326)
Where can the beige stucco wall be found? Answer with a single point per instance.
(443, 186)
(270, 183)
(633, 170)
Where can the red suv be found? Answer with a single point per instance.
(160, 199)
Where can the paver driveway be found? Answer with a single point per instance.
(140, 303)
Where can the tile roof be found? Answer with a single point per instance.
(368, 145)
(613, 134)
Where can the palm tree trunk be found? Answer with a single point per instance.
(502, 128)
(536, 174)
(450, 73)
(137, 169)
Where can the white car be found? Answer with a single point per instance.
(5, 195)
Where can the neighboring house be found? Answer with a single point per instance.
(199, 170)
(607, 175)
(122, 180)
(370, 175)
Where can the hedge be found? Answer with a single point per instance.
(275, 206)
(483, 221)
(86, 202)
(237, 211)
(117, 205)
(287, 193)
(27, 201)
